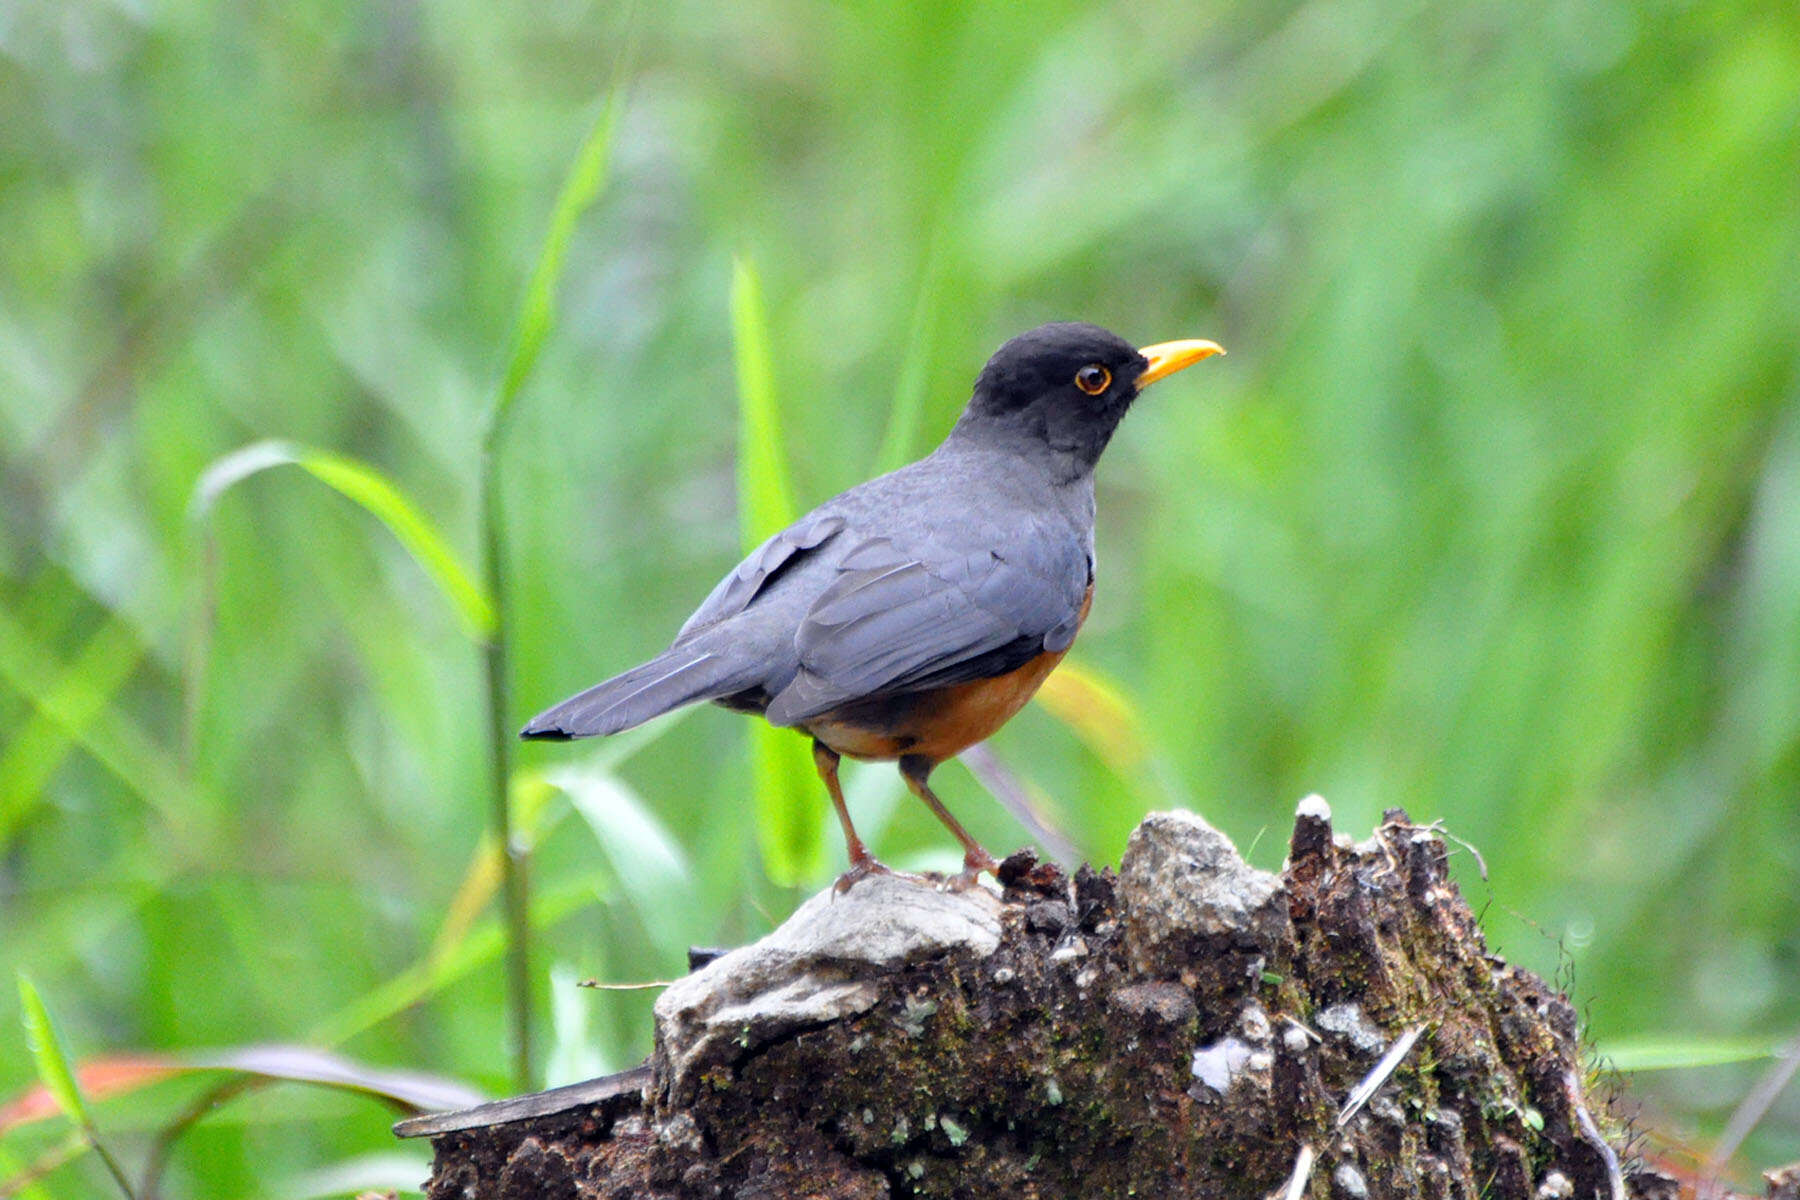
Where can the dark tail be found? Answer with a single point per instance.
(680, 675)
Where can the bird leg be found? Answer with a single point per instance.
(915, 769)
(862, 863)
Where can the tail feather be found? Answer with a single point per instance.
(680, 675)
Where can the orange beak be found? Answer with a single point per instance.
(1166, 358)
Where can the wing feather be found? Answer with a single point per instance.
(892, 621)
(735, 592)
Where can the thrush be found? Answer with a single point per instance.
(912, 616)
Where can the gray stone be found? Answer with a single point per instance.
(1555, 1186)
(1183, 884)
(1347, 1183)
(823, 964)
(1220, 1063)
(1314, 808)
(1347, 1023)
(1167, 1002)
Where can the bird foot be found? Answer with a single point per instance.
(962, 881)
(859, 871)
(862, 868)
(970, 875)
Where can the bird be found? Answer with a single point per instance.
(913, 615)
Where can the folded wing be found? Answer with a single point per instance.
(737, 590)
(896, 621)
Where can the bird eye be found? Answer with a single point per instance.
(1093, 379)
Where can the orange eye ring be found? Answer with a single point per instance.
(1093, 379)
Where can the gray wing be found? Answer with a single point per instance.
(735, 592)
(894, 620)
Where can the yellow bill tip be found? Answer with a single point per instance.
(1166, 358)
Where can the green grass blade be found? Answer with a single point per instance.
(648, 862)
(1096, 710)
(111, 738)
(449, 955)
(900, 438)
(374, 494)
(432, 974)
(765, 490)
(31, 756)
(532, 820)
(788, 799)
(428, 547)
(58, 1077)
(582, 186)
(22, 1181)
(782, 777)
(1654, 1052)
(47, 1051)
(379, 1173)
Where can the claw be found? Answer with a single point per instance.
(973, 866)
(859, 869)
(865, 867)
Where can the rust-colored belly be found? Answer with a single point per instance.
(938, 724)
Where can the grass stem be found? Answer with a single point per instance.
(515, 890)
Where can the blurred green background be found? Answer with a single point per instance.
(1492, 513)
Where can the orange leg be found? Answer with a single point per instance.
(862, 863)
(916, 769)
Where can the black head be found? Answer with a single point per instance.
(1067, 385)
